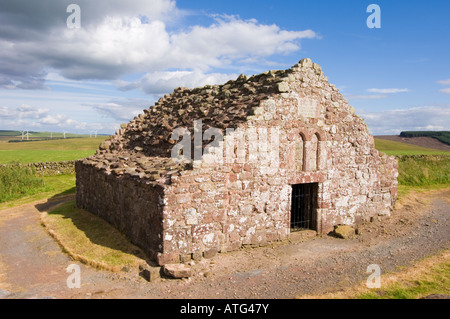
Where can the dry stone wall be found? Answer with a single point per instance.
(127, 202)
(48, 168)
(280, 128)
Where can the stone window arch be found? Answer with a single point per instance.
(313, 154)
(300, 153)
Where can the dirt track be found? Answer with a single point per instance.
(33, 266)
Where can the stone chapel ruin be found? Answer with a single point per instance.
(293, 155)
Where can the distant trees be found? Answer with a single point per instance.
(443, 136)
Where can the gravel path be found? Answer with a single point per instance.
(33, 266)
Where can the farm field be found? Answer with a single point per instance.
(399, 148)
(49, 151)
(17, 135)
(77, 148)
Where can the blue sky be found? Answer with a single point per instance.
(129, 53)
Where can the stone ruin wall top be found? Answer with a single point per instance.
(145, 142)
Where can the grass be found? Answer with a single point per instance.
(49, 186)
(426, 277)
(32, 156)
(429, 277)
(19, 182)
(399, 148)
(403, 190)
(90, 239)
(49, 151)
(420, 169)
(424, 170)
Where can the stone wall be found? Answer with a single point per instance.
(222, 207)
(236, 196)
(49, 168)
(128, 203)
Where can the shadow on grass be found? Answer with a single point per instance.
(97, 230)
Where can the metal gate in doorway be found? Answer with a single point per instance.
(304, 207)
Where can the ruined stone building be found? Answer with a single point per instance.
(279, 152)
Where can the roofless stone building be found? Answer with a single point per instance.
(245, 163)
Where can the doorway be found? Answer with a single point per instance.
(304, 207)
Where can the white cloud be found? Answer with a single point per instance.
(413, 119)
(387, 91)
(444, 82)
(381, 94)
(24, 111)
(365, 97)
(445, 91)
(26, 117)
(119, 41)
(127, 38)
(164, 82)
(122, 110)
(231, 38)
(58, 120)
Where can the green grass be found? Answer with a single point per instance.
(424, 170)
(49, 151)
(19, 182)
(399, 148)
(19, 186)
(46, 187)
(90, 239)
(435, 280)
(10, 133)
(33, 156)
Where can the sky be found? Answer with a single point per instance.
(122, 56)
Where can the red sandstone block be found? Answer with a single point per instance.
(167, 258)
(218, 177)
(248, 186)
(223, 196)
(184, 199)
(193, 188)
(180, 190)
(245, 176)
(324, 204)
(237, 168)
(219, 215)
(292, 136)
(271, 236)
(394, 191)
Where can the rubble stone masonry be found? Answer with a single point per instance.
(280, 128)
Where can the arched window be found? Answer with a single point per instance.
(299, 154)
(313, 156)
